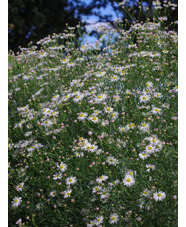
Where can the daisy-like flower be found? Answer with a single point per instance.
(143, 155)
(128, 180)
(67, 193)
(96, 112)
(149, 84)
(156, 110)
(114, 115)
(100, 98)
(104, 123)
(116, 98)
(150, 167)
(79, 154)
(144, 127)
(165, 51)
(144, 98)
(78, 98)
(114, 218)
(38, 206)
(128, 92)
(62, 166)
(158, 95)
(16, 201)
(96, 189)
(159, 196)
(104, 194)
(114, 78)
(108, 109)
(92, 223)
(145, 193)
(112, 161)
(100, 74)
(150, 149)
(53, 193)
(64, 61)
(101, 178)
(121, 128)
(82, 116)
(57, 176)
(71, 180)
(94, 119)
(43, 54)
(175, 89)
(19, 187)
(99, 220)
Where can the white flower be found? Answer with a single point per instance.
(149, 84)
(114, 78)
(67, 193)
(16, 201)
(100, 74)
(57, 176)
(104, 194)
(144, 127)
(150, 167)
(82, 116)
(114, 218)
(159, 196)
(53, 193)
(143, 155)
(101, 178)
(112, 161)
(78, 98)
(20, 187)
(62, 166)
(100, 98)
(71, 180)
(144, 98)
(150, 149)
(121, 128)
(156, 110)
(128, 180)
(145, 193)
(94, 119)
(108, 109)
(99, 220)
(96, 189)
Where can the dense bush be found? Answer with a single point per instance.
(93, 134)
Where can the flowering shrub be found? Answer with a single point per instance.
(93, 134)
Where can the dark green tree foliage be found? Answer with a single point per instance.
(32, 20)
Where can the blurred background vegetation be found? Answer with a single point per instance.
(32, 20)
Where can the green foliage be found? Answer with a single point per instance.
(93, 134)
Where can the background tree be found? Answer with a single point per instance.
(32, 20)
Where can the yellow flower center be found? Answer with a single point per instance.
(81, 115)
(61, 166)
(159, 194)
(100, 96)
(128, 180)
(68, 193)
(113, 218)
(149, 148)
(70, 180)
(94, 118)
(16, 201)
(143, 125)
